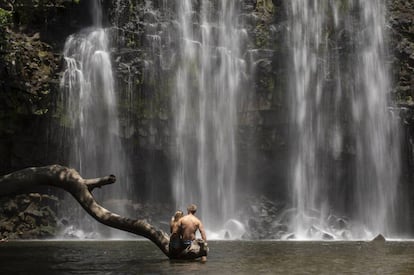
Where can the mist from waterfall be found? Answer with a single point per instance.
(205, 104)
(345, 144)
(90, 103)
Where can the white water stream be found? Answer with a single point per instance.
(205, 104)
(88, 91)
(339, 104)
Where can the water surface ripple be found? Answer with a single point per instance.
(236, 257)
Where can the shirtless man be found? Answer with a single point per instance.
(189, 225)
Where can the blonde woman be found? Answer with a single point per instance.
(175, 246)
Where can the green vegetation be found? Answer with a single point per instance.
(5, 17)
(265, 11)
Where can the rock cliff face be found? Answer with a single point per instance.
(32, 34)
(402, 26)
(402, 42)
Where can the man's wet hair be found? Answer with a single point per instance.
(192, 208)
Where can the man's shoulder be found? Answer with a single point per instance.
(195, 220)
(184, 219)
(190, 218)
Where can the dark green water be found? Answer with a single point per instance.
(235, 257)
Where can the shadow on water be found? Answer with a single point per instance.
(237, 257)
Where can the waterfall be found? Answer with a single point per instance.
(343, 139)
(377, 137)
(306, 22)
(344, 151)
(90, 100)
(205, 104)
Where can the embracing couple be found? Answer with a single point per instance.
(183, 234)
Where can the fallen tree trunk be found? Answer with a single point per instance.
(23, 181)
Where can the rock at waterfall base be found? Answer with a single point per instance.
(379, 238)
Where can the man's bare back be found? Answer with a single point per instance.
(189, 225)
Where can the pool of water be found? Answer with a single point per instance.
(237, 257)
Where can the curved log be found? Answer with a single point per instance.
(69, 180)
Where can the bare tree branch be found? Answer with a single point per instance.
(69, 180)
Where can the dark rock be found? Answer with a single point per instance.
(6, 226)
(10, 208)
(33, 210)
(379, 238)
(30, 214)
(47, 231)
(290, 236)
(327, 236)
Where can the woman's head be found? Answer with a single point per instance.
(178, 215)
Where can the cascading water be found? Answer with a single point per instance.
(339, 85)
(88, 93)
(205, 105)
(306, 36)
(344, 145)
(377, 136)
